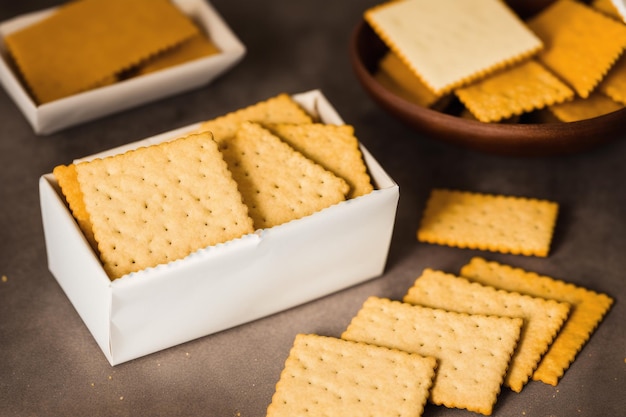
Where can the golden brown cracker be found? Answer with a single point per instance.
(581, 44)
(473, 351)
(279, 109)
(199, 46)
(588, 310)
(520, 89)
(278, 183)
(326, 376)
(449, 43)
(614, 84)
(496, 223)
(542, 318)
(597, 104)
(335, 148)
(67, 178)
(106, 37)
(158, 204)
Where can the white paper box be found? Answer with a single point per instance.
(224, 285)
(79, 108)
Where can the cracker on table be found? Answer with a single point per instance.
(157, 204)
(542, 318)
(496, 223)
(473, 351)
(511, 92)
(588, 310)
(279, 109)
(334, 147)
(278, 183)
(581, 44)
(67, 178)
(597, 104)
(398, 77)
(106, 37)
(457, 42)
(326, 376)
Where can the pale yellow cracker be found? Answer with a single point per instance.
(85, 42)
(336, 148)
(157, 204)
(520, 89)
(614, 84)
(396, 76)
(588, 310)
(278, 183)
(581, 44)
(447, 43)
(542, 318)
(473, 351)
(496, 223)
(67, 178)
(279, 109)
(325, 376)
(597, 104)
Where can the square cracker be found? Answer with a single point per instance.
(542, 318)
(333, 147)
(457, 42)
(581, 43)
(497, 223)
(278, 183)
(158, 204)
(588, 310)
(473, 351)
(326, 376)
(614, 84)
(511, 92)
(279, 109)
(106, 37)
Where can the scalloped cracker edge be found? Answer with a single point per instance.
(497, 223)
(473, 351)
(588, 310)
(520, 89)
(329, 376)
(459, 43)
(542, 318)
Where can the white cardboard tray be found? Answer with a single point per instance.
(59, 114)
(225, 285)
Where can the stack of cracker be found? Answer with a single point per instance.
(566, 59)
(86, 44)
(491, 326)
(254, 168)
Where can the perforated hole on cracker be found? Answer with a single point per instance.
(473, 351)
(588, 310)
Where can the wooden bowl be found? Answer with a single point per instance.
(521, 139)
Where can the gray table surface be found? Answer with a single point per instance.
(51, 366)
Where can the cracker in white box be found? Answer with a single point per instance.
(160, 203)
(448, 43)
